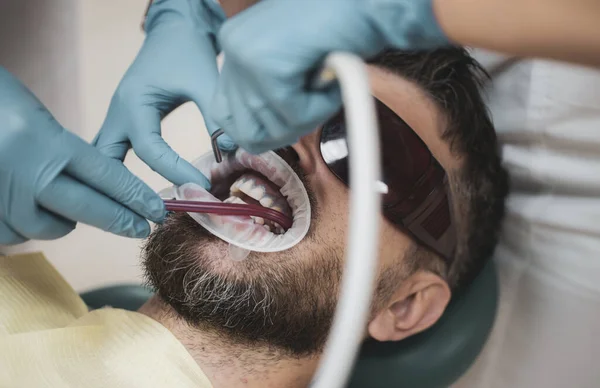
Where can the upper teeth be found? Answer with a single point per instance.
(234, 199)
(265, 201)
(256, 192)
(248, 186)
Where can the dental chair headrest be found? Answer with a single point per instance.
(440, 355)
(432, 359)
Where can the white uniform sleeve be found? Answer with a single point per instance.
(547, 333)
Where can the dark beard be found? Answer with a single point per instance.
(285, 299)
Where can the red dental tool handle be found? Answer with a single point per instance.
(229, 209)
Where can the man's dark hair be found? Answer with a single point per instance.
(454, 81)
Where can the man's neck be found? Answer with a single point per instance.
(228, 365)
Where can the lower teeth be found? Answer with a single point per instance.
(258, 220)
(268, 225)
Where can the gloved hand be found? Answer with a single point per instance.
(50, 178)
(271, 49)
(176, 64)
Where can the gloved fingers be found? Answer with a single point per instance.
(221, 107)
(274, 132)
(157, 154)
(112, 149)
(242, 18)
(250, 133)
(269, 119)
(307, 110)
(75, 201)
(215, 12)
(152, 149)
(260, 117)
(224, 141)
(259, 128)
(111, 178)
(112, 139)
(21, 212)
(220, 111)
(203, 91)
(300, 110)
(35, 223)
(9, 236)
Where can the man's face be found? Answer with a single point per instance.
(284, 299)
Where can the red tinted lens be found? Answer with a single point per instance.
(410, 171)
(405, 158)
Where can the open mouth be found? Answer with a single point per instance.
(266, 180)
(243, 178)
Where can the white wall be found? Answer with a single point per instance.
(37, 42)
(72, 54)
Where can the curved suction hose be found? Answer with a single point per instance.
(361, 250)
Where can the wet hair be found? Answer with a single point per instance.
(453, 80)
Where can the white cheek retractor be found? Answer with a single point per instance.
(241, 231)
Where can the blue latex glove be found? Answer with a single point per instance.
(272, 48)
(176, 64)
(50, 178)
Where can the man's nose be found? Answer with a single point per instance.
(307, 149)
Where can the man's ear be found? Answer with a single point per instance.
(417, 304)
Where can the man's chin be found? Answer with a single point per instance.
(277, 299)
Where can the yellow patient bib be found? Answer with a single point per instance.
(49, 339)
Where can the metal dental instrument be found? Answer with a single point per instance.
(227, 209)
(215, 145)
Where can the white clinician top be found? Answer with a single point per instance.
(547, 332)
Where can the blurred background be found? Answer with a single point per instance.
(72, 54)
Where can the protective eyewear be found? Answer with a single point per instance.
(416, 194)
